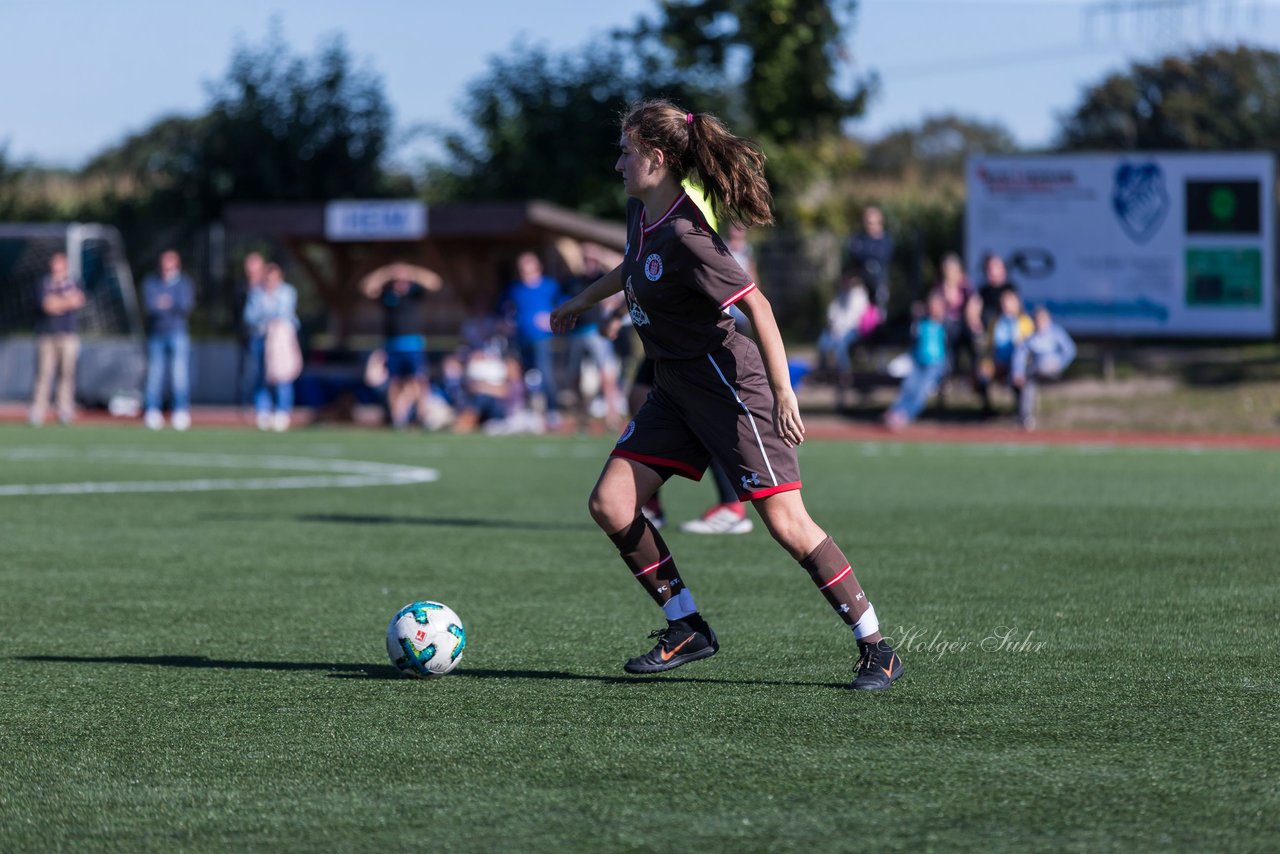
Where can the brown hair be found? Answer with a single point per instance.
(698, 145)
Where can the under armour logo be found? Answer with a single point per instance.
(843, 609)
(750, 480)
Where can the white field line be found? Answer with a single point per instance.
(336, 473)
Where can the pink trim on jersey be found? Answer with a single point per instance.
(766, 492)
(645, 229)
(651, 567)
(679, 467)
(739, 295)
(839, 576)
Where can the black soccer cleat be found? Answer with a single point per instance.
(676, 646)
(878, 667)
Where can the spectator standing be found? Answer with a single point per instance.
(60, 297)
(167, 300)
(1043, 357)
(254, 273)
(271, 317)
(587, 340)
(529, 301)
(995, 284)
(400, 290)
(928, 365)
(870, 253)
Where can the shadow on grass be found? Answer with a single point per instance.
(341, 670)
(443, 522)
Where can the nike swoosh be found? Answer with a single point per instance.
(889, 671)
(666, 656)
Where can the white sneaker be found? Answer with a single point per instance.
(280, 422)
(718, 520)
(181, 420)
(264, 420)
(153, 419)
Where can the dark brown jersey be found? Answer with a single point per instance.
(679, 278)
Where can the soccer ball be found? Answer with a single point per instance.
(425, 639)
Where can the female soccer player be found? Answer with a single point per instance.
(716, 393)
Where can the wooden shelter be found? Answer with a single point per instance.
(472, 247)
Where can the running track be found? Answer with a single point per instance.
(817, 427)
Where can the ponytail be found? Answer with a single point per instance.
(730, 169)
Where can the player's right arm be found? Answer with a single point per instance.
(565, 316)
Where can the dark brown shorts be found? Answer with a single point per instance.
(718, 406)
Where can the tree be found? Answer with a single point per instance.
(279, 128)
(936, 147)
(1226, 98)
(791, 51)
(545, 126)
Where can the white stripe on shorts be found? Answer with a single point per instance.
(750, 417)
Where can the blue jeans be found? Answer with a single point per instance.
(837, 347)
(536, 355)
(264, 392)
(171, 349)
(916, 388)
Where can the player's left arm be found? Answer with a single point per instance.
(786, 409)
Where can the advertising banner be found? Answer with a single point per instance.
(1133, 244)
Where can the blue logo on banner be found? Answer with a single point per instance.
(1140, 199)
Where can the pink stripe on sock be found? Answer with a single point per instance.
(839, 576)
(651, 567)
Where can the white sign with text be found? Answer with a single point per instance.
(375, 219)
(1133, 244)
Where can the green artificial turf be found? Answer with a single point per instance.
(206, 670)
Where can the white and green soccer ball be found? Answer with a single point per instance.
(425, 639)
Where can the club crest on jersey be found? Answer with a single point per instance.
(627, 431)
(653, 267)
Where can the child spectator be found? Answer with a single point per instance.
(1044, 356)
(929, 366)
(1009, 331)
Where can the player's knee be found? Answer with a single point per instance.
(791, 531)
(611, 512)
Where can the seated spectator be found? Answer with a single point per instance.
(492, 387)
(850, 316)
(929, 366)
(1008, 332)
(956, 290)
(1042, 357)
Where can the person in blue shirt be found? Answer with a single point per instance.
(529, 301)
(1043, 356)
(167, 300)
(929, 366)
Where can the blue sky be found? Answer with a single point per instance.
(81, 74)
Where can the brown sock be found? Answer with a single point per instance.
(649, 560)
(830, 570)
